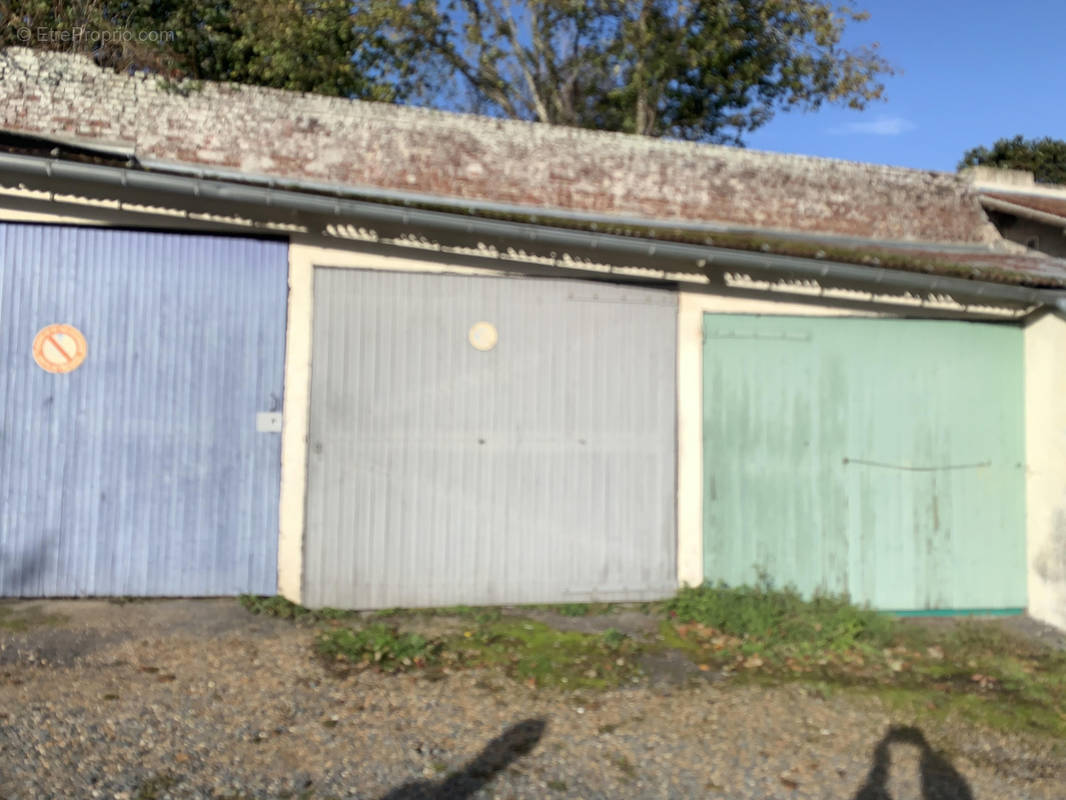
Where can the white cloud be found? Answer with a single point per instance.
(882, 126)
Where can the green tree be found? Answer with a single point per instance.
(1045, 158)
(322, 46)
(708, 70)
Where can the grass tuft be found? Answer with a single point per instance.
(378, 645)
(976, 669)
(539, 655)
(972, 669)
(574, 609)
(156, 786)
(278, 606)
(782, 617)
(22, 618)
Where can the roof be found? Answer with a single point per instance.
(1016, 192)
(1048, 205)
(634, 186)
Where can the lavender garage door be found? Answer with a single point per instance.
(142, 471)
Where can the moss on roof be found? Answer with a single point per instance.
(1035, 270)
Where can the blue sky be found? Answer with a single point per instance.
(970, 73)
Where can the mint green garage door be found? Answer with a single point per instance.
(881, 458)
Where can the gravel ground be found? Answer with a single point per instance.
(184, 699)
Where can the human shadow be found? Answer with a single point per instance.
(514, 743)
(940, 780)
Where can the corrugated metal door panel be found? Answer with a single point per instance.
(882, 458)
(541, 470)
(141, 472)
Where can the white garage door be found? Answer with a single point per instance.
(485, 440)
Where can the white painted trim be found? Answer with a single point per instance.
(15, 215)
(691, 308)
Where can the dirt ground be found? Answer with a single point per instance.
(199, 698)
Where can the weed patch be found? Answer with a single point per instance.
(575, 609)
(155, 787)
(378, 645)
(623, 765)
(479, 614)
(538, 655)
(823, 624)
(22, 618)
(977, 670)
(522, 649)
(973, 669)
(278, 606)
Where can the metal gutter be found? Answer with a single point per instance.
(604, 245)
(403, 197)
(121, 150)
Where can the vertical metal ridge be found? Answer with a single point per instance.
(541, 470)
(813, 427)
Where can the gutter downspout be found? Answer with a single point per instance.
(699, 256)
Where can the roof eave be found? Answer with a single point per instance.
(1018, 210)
(501, 237)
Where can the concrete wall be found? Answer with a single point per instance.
(1049, 239)
(1045, 411)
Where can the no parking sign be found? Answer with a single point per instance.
(59, 348)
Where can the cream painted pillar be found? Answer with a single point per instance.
(689, 440)
(1045, 446)
(296, 409)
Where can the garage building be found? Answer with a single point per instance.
(397, 357)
